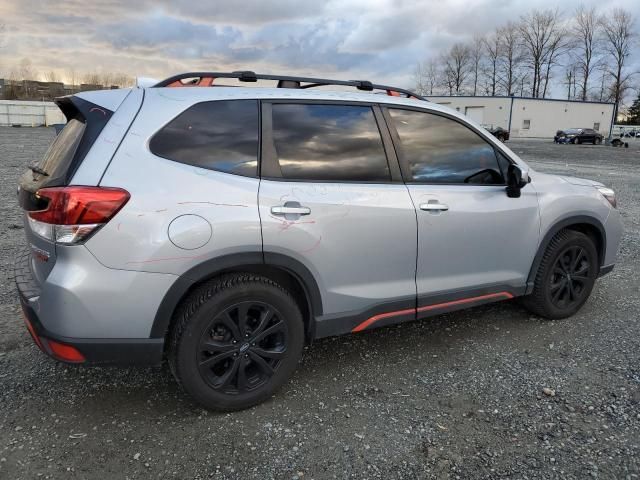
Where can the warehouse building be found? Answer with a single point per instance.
(532, 117)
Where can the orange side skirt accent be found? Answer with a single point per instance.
(503, 295)
(380, 316)
(436, 306)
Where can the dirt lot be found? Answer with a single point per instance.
(456, 396)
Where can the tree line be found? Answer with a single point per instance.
(587, 54)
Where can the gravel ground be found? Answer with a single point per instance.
(456, 396)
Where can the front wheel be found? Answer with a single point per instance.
(235, 341)
(565, 276)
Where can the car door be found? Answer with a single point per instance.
(330, 199)
(474, 242)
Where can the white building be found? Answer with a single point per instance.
(532, 117)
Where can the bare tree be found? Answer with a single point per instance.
(457, 67)
(26, 74)
(50, 76)
(585, 32)
(510, 57)
(559, 44)
(539, 34)
(91, 78)
(570, 81)
(618, 40)
(122, 80)
(493, 51)
(425, 77)
(476, 51)
(72, 79)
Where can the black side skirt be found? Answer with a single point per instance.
(408, 309)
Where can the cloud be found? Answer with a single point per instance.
(379, 40)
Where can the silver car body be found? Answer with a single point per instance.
(365, 251)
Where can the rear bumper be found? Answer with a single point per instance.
(95, 352)
(108, 351)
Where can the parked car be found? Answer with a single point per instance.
(498, 132)
(577, 136)
(225, 228)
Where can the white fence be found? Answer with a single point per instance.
(620, 129)
(29, 114)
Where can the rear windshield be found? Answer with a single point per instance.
(63, 148)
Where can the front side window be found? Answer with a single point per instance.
(219, 135)
(328, 143)
(440, 150)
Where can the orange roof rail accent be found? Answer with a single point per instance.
(204, 79)
(202, 82)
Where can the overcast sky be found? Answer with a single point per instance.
(372, 39)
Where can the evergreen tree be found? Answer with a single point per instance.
(634, 112)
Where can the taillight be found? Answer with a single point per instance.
(73, 214)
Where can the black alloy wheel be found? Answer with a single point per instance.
(235, 340)
(242, 347)
(565, 276)
(571, 272)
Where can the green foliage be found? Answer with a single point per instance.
(634, 112)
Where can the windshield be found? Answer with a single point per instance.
(573, 131)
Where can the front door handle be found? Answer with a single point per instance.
(434, 207)
(283, 210)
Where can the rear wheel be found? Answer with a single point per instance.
(565, 277)
(597, 141)
(235, 341)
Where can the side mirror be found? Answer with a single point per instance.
(517, 179)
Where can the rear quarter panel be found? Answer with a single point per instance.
(162, 190)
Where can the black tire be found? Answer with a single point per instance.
(208, 326)
(565, 276)
(597, 141)
(575, 141)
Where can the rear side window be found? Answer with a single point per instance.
(440, 150)
(61, 152)
(328, 143)
(219, 135)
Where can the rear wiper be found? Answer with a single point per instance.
(37, 169)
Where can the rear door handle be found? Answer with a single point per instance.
(434, 207)
(284, 210)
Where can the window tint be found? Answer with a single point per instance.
(220, 135)
(328, 142)
(504, 164)
(440, 150)
(63, 148)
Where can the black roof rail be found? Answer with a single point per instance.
(206, 79)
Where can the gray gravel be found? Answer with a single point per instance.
(456, 396)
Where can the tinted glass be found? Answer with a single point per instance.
(61, 151)
(440, 150)
(328, 142)
(219, 136)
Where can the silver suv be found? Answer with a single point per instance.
(223, 228)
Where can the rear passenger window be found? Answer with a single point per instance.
(220, 135)
(440, 150)
(328, 142)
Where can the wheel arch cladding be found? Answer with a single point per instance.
(289, 273)
(590, 226)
